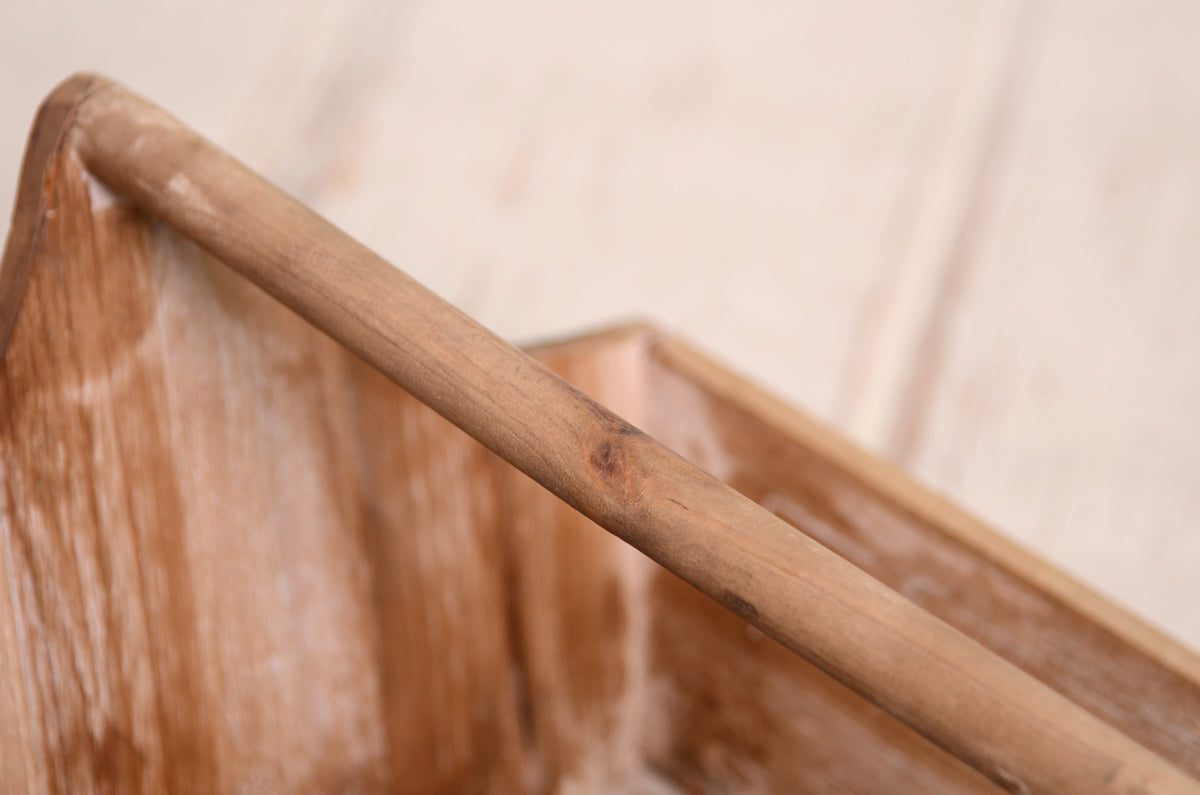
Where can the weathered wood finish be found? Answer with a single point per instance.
(237, 556)
(924, 548)
(175, 626)
(240, 557)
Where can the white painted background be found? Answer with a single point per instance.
(965, 233)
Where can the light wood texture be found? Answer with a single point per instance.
(237, 557)
(1076, 312)
(173, 629)
(795, 185)
(932, 553)
(1017, 731)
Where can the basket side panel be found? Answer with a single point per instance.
(188, 612)
(930, 552)
(236, 557)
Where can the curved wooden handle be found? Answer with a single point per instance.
(1017, 731)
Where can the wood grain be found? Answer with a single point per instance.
(167, 642)
(240, 558)
(1056, 398)
(736, 175)
(1125, 673)
(307, 690)
(738, 712)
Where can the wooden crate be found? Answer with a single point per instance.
(237, 557)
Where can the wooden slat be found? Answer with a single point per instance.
(428, 517)
(577, 601)
(1059, 398)
(873, 515)
(997, 718)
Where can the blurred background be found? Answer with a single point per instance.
(965, 233)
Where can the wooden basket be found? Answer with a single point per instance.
(238, 558)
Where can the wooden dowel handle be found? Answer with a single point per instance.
(1003, 722)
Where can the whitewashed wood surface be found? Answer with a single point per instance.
(966, 233)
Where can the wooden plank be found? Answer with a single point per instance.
(1058, 397)
(577, 601)
(944, 560)
(419, 497)
(162, 646)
